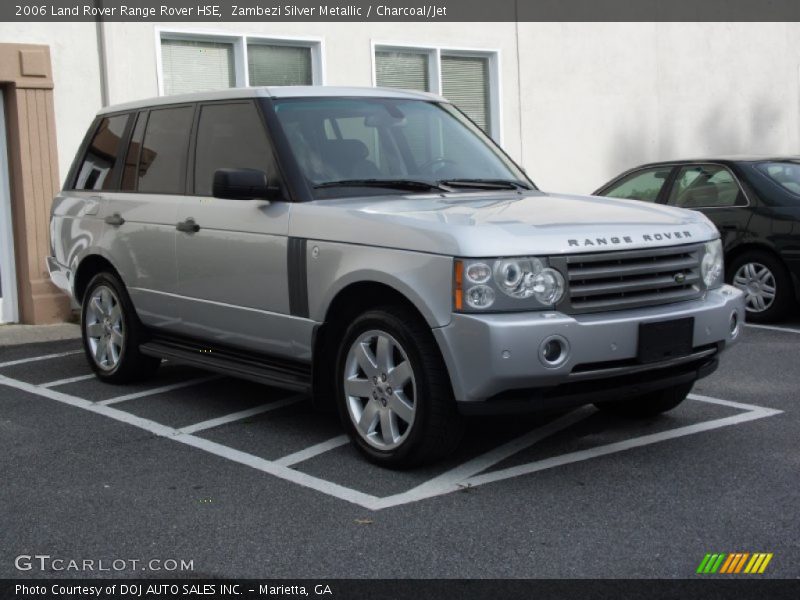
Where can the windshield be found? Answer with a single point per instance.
(785, 174)
(390, 144)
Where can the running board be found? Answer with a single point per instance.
(276, 372)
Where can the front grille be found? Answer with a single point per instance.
(629, 279)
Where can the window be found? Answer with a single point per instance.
(785, 174)
(268, 64)
(403, 70)
(230, 136)
(162, 164)
(705, 186)
(641, 185)
(202, 62)
(337, 140)
(129, 173)
(467, 79)
(101, 156)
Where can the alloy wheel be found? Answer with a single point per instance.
(105, 329)
(758, 284)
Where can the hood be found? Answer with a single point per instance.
(499, 223)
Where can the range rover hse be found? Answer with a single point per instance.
(376, 249)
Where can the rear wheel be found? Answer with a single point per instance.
(394, 393)
(648, 405)
(112, 332)
(766, 284)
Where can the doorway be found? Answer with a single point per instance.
(8, 277)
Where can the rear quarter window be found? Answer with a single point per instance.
(97, 169)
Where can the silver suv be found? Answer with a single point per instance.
(376, 249)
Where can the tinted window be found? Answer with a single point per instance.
(230, 136)
(785, 174)
(95, 172)
(641, 185)
(705, 186)
(129, 173)
(162, 164)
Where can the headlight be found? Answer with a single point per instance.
(507, 284)
(712, 266)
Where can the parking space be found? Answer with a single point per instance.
(255, 437)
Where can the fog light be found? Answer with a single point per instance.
(734, 324)
(554, 351)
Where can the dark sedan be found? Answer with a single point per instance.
(755, 204)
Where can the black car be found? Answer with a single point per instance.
(755, 204)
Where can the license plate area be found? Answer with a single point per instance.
(664, 340)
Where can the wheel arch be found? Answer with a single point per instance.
(89, 266)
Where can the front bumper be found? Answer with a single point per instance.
(491, 356)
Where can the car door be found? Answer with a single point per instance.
(232, 254)
(141, 215)
(714, 190)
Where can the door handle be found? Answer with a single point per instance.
(116, 220)
(188, 226)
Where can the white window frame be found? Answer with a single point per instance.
(240, 41)
(435, 53)
(9, 309)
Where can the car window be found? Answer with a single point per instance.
(705, 186)
(785, 174)
(129, 172)
(341, 139)
(641, 185)
(95, 172)
(230, 136)
(162, 164)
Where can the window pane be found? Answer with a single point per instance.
(404, 70)
(465, 82)
(230, 136)
(162, 166)
(279, 65)
(102, 154)
(642, 185)
(785, 174)
(705, 186)
(196, 66)
(132, 156)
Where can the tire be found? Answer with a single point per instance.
(766, 283)
(414, 402)
(112, 332)
(648, 405)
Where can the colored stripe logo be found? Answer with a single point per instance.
(734, 563)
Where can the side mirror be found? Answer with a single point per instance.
(242, 184)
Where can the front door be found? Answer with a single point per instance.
(232, 254)
(8, 280)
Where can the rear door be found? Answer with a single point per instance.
(141, 216)
(232, 254)
(714, 190)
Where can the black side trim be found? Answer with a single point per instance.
(274, 371)
(298, 277)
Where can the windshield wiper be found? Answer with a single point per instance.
(398, 184)
(486, 184)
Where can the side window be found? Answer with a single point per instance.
(162, 161)
(95, 172)
(230, 136)
(641, 185)
(129, 173)
(705, 186)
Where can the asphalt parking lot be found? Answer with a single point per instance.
(248, 481)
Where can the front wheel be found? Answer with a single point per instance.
(112, 332)
(394, 393)
(648, 405)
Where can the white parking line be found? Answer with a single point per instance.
(59, 382)
(22, 361)
(243, 414)
(772, 328)
(312, 451)
(158, 390)
(471, 474)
